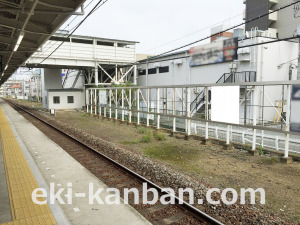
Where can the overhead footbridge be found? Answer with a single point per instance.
(102, 60)
(25, 25)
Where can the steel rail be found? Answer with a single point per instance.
(181, 203)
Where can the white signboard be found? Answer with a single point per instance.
(225, 104)
(295, 108)
(103, 97)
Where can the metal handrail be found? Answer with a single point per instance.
(235, 77)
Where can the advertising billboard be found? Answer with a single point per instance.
(215, 52)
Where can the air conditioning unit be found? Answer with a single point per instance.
(178, 62)
(232, 65)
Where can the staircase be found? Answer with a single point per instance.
(197, 106)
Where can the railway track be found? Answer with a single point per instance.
(115, 175)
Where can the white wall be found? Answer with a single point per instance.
(79, 99)
(183, 74)
(274, 63)
(271, 62)
(79, 54)
(51, 79)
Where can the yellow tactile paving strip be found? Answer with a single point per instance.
(20, 181)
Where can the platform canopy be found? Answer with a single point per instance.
(27, 24)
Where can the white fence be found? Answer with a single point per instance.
(170, 106)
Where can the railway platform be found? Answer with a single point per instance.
(31, 160)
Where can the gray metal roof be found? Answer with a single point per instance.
(97, 38)
(37, 20)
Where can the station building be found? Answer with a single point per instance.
(97, 62)
(255, 63)
(276, 60)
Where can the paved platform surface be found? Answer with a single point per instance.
(51, 164)
(5, 213)
(20, 181)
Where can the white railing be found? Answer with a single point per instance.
(169, 106)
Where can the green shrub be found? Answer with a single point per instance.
(159, 136)
(143, 130)
(260, 150)
(146, 138)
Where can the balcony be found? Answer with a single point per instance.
(273, 17)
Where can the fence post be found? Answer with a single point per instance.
(228, 135)
(287, 121)
(174, 109)
(206, 113)
(99, 102)
(116, 105)
(216, 133)
(110, 93)
(186, 97)
(188, 106)
(276, 143)
(95, 100)
(130, 108)
(157, 108)
(254, 116)
(138, 105)
(245, 106)
(243, 137)
(148, 105)
(123, 112)
(91, 101)
(105, 104)
(87, 97)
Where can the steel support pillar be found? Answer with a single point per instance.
(157, 108)
(138, 105)
(287, 121)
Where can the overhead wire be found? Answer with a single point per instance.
(97, 6)
(145, 61)
(76, 27)
(202, 29)
(46, 48)
(225, 30)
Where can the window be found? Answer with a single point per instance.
(56, 99)
(121, 45)
(55, 38)
(70, 99)
(142, 72)
(105, 43)
(152, 71)
(82, 41)
(164, 69)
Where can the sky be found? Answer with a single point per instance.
(158, 25)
